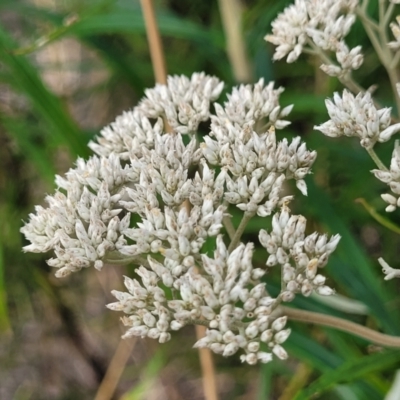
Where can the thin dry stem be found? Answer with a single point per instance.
(230, 229)
(155, 44)
(342, 325)
(207, 367)
(115, 369)
(238, 234)
(231, 14)
(298, 381)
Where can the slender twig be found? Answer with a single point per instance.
(155, 44)
(238, 234)
(376, 159)
(342, 325)
(395, 59)
(128, 260)
(207, 367)
(297, 381)
(230, 229)
(381, 10)
(364, 5)
(388, 14)
(115, 369)
(379, 40)
(347, 80)
(231, 14)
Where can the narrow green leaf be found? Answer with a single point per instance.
(45, 103)
(350, 371)
(321, 359)
(151, 371)
(349, 264)
(378, 217)
(4, 318)
(20, 131)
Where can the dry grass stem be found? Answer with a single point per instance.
(207, 367)
(155, 44)
(115, 369)
(231, 14)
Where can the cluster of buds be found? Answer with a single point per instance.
(298, 255)
(358, 116)
(308, 25)
(180, 190)
(391, 178)
(320, 26)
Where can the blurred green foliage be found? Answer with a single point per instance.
(43, 129)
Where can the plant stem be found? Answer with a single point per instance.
(231, 15)
(207, 367)
(347, 80)
(238, 234)
(127, 260)
(227, 221)
(379, 40)
(155, 44)
(115, 369)
(341, 324)
(388, 14)
(230, 229)
(376, 159)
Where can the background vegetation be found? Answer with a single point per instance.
(69, 67)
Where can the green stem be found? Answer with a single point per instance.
(388, 14)
(364, 5)
(342, 325)
(376, 159)
(395, 59)
(127, 260)
(381, 10)
(379, 40)
(238, 234)
(346, 80)
(230, 229)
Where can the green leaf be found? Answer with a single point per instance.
(21, 131)
(4, 319)
(378, 217)
(150, 373)
(321, 359)
(45, 103)
(349, 264)
(350, 371)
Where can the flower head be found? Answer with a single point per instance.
(179, 190)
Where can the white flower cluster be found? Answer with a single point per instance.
(388, 270)
(226, 295)
(323, 24)
(357, 116)
(395, 28)
(184, 102)
(84, 224)
(126, 135)
(298, 255)
(392, 178)
(179, 190)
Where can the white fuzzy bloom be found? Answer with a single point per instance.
(126, 135)
(324, 23)
(395, 28)
(155, 199)
(357, 116)
(299, 256)
(392, 179)
(185, 102)
(388, 270)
